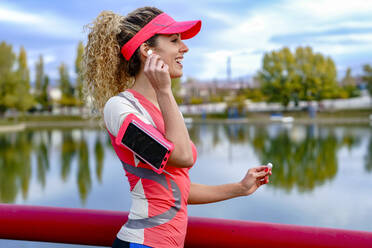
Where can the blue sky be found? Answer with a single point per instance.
(244, 30)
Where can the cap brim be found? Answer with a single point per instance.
(187, 29)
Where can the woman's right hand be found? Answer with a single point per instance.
(255, 178)
(157, 71)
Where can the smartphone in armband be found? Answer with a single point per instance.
(145, 141)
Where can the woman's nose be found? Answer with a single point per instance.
(184, 48)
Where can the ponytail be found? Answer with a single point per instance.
(105, 71)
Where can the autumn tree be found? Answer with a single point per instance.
(39, 76)
(44, 96)
(277, 76)
(14, 80)
(348, 85)
(7, 60)
(23, 95)
(367, 77)
(65, 86)
(79, 78)
(304, 75)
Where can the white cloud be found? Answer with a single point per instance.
(8, 15)
(48, 24)
(314, 21)
(328, 9)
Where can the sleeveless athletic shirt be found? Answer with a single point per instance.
(158, 214)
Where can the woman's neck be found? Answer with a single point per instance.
(143, 86)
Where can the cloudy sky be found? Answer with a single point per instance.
(242, 29)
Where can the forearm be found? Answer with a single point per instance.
(175, 129)
(202, 194)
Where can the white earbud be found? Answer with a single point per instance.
(270, 165)
(149, 52)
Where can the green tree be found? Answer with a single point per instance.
(24, 98)
(39, 69)
(316, 74)
(7, 60)
(79, 78)
(304, 75)
(23, 70)
(14, 80)
(348, 79)
(277, 76)
(65, 86)
(348, 86)
(367, 77)
(44, 97)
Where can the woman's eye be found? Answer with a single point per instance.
(174, 40)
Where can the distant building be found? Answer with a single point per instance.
(205, 89)
(55, 94)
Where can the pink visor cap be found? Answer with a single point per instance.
(162, 24)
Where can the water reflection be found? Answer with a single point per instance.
(304, 164)
(15, 165)
(18, 149)
(305, 156)
(83, 177)
(368, 156)
(99, 156)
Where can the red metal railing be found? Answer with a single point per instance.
(99, 227)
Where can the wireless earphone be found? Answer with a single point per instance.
(149, 52)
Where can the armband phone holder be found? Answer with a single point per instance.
(145, 141)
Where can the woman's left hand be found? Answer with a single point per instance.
(254, 178)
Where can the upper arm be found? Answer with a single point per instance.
(116, 110)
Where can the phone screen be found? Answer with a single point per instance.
(144, 145)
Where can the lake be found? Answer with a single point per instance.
(322, 174)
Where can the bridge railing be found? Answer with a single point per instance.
(99, 227)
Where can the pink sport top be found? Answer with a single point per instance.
(158, 215)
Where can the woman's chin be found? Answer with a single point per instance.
(177, 74)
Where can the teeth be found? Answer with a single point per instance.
(179, 60)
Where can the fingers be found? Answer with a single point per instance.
(166, 68)
(148, 62)
(261, 168)
(262, 174)
(264, 181)
(155, 63)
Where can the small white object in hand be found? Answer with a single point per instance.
(270, 165)
(149, 52)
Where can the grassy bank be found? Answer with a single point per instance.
(357, 113)
(58, 120)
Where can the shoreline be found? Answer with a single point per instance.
(20, 126)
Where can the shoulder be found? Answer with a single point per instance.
(115, 111)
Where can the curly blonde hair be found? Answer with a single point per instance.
(105, 71)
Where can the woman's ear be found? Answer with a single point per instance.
(144, 48)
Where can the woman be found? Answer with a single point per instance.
(122, 76)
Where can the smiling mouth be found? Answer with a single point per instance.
(179, 60)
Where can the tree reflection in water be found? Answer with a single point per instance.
(303, 164)
(15, 165)
(83, 177)
(368, 156)
(304, 157)
(17, 150)
(303, 160)
(41, 142)
(99, 155)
